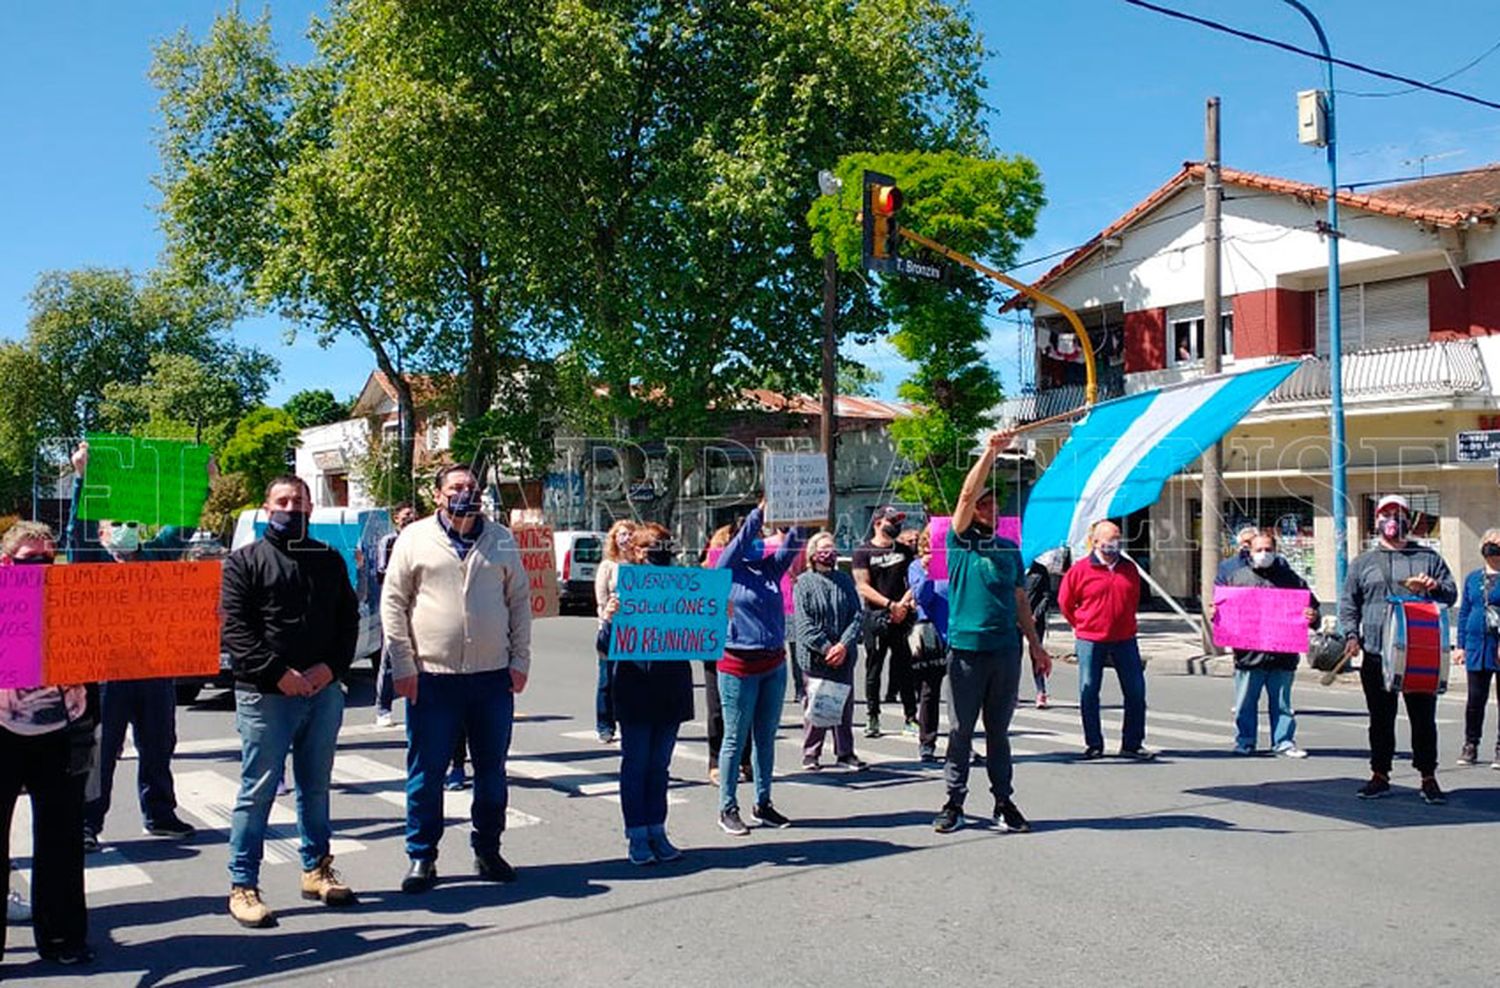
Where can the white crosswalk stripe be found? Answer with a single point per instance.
(376, 778)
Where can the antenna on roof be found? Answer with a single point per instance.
(1421, 160)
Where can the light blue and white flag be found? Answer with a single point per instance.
(1118, 458)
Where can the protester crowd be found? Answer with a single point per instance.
(456, 611)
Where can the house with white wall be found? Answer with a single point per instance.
(1420, 271)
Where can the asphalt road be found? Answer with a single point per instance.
(1202, 868)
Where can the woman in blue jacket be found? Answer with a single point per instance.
(1478, 639)
(929, 652)
(752, 671)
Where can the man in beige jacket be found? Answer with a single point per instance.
(456, 608)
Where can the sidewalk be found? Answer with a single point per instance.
(1170, 647)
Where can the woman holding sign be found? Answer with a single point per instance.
(752, 673)
(46, 747)
(651, 701)
(828, 624)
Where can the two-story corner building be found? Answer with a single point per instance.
(327, 456)
(1420, 270)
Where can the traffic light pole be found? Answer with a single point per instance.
(830, 377)
(1091, 385)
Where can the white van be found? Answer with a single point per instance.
(579, 553)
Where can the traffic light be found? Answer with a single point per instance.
(882, 231)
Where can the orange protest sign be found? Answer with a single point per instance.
(108, 621)
(540, 560)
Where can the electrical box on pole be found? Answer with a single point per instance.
(1312, 118)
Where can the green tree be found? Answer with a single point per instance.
(96, 332)
(315, 407)
(184, 397)
(983, 207)
(259, 446)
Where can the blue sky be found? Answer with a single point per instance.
(1105, 97)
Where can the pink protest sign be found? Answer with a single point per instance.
(1009, 527)
(1264, 619)
(938, 569)
(21, 626)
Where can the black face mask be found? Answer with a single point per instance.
(1489, 551)
(463, 503)
(890, 530)
(659, 556)
(291, 525)
(44, 560)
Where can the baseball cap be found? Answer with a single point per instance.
(889, 513)
(1392, 500)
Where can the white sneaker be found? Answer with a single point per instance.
(1290, 751)
(17, 909)
(384, 720)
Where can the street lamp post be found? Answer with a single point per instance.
(1338, 451)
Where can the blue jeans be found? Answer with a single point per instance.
(1278, 686)
(752, 712)
(149, 708)
(270, 725)
(1126, 656)
(482, 706)
(645, 756)
(604, 698)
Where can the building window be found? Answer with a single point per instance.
(1377, 314)
(1185, 340)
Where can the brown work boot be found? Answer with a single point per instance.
(246, 907)
(323, 883)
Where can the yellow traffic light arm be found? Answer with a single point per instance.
(1091, 379)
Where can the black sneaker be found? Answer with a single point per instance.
(949, 819)
(731, 824)
(1432, 793)
(67, 956)
(765, 814)
(1009, 819)
(928, 753)
(1091, 754)
(872, 726)
(853, 763)
(171, 827)
(90, 842)
(492, 867)
(1470, 753)
(1377, 787)
(1138, 754)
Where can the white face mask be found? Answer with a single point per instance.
(124, 539)
(1262, 559)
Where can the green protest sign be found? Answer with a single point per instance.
(151, 481)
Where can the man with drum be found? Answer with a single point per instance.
(1396, 567)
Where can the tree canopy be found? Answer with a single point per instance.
(315, 406)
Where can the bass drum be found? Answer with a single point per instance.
(1416, 647)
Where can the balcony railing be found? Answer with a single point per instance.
(1439, 369)
(1419, 370)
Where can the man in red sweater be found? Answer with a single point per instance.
(1099, 597)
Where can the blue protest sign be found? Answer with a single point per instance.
(670, 613)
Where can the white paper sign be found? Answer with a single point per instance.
(796, 488)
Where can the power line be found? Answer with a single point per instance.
(1309, 53)
(1442, 78)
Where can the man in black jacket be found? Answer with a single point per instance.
(1256, 670)
(291, 622)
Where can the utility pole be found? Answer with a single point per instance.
(830, 375)
(1213, 484)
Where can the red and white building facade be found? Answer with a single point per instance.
(1420, 268)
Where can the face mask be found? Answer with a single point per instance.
(826, 558)
(1110, 549)
(1394, 526)
(463, 503)
(124, 539)
(890, 530)
(289, 524)
(659, 555)
(1260, 560)
(1489, 551)
(44, 560)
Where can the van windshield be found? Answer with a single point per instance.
(588, 550)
